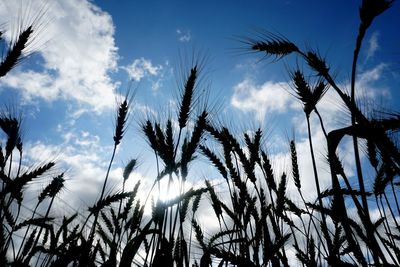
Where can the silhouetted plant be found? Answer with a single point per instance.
(365, 238)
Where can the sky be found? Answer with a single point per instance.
(87, 54)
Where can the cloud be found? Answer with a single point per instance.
(335, 116)
(141, 68)
(272, 97)
(84, 160)
(373, 45)
(260, 99)
(371, 75)
(367, 85)
(183, 36)
(77, 58)
(34, 84)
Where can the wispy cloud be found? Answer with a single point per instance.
(141, 68)
(373, 45)
(183, 36)
(269, 97)
(260, 99)
(84, 159)
(75, 63)
(367, 83)
(371, 75)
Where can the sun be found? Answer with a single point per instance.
(166, 190)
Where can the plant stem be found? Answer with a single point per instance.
(96, 215)
(317, 185)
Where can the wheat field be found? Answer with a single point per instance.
(258, 222)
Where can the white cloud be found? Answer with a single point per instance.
(371, 75)
(84, 159)
(373, 45)
(335, 116)
(366, 79)
(77, 58)
(367, 90)
(34, 84)
(141, 68)
(183, 36)
(366, 85)
(260, 99)
(272, 97)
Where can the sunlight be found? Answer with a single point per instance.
(166, 191)
(161, 191)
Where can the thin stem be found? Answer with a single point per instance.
(391, 210)
(317, 185)
(40, 230)
(27, 230)
(118, 215)
(96, 214)
(395, 197)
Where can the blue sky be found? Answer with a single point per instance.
(87, 52)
